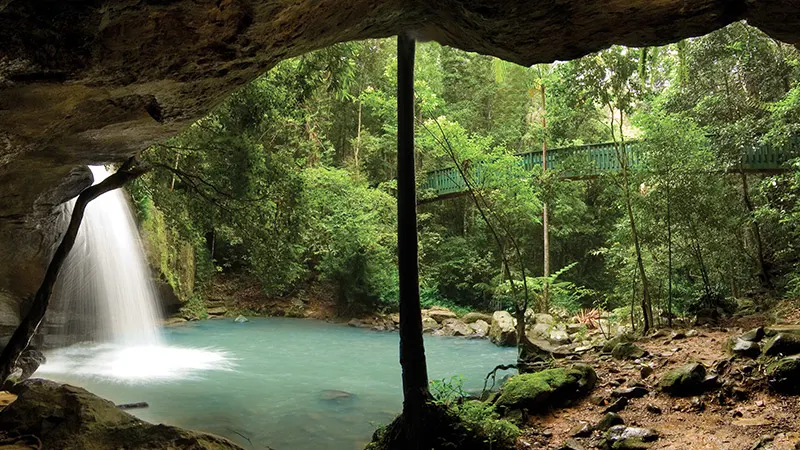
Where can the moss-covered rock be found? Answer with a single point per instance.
(539, 391)
(683, 381)
(784, 375)
(473, 425)
(783, 344)
(64, 416)
(609, 345)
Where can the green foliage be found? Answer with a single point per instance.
(484, 420)
(447, 392)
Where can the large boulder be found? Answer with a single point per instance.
(559, 337)
(538, 391)
(741, 347)
(783, 344)
(784, 375)
(684, 381)
(480, 328)
(539, 331)
(472, 317)
(429, 325)
(502, 331)
(440, 314)
(68, 417)
(458, 327)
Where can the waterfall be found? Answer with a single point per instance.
(104, 291)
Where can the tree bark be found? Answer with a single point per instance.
(412, 349)
(545, 213)
(763, 274)
(30, 323)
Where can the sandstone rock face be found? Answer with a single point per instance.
(95, 82)
(480, 328)
(441, 314)
(64, 416)
(473, 317)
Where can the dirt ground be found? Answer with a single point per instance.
(734, 418)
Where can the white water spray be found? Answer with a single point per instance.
(107, 303)
(105, 285)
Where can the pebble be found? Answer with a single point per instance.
(653, 408)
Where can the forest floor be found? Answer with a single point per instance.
(748, 417)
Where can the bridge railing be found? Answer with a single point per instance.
(595, 159)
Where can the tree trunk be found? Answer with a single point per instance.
(763, 274)
(545, 215)
(30, 323)
(412, 349)
(669, 252)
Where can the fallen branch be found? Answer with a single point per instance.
(30, 324)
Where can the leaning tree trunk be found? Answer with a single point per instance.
(763, 274)
(30, 323)
(412, 349)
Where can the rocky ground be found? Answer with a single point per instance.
(738, 407)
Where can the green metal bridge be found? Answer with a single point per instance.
(588, 161)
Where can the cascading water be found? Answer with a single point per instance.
(105, 283)
(105, 301)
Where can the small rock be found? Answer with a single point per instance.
(547, 433)
(698, 404)
(678, 335)
(711, 382)
(745, 348)
(581, 429)
(683, 381)
(473, 317)
(754, 335)
(653, 408)
(692, 333)
(480, 327)
(241, 319)
(429, 325)
(646, 371)
(629, 438)
(627, 350)
(572, 444)
(782, 376)
(609, 420)
(618, 405)
(632, 392)
(762, 442)
(559, 337)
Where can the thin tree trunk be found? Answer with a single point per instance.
(412, 348)
(545, 214)
(30, 323)
(669, 251)
(622, 158)
(766, 282)
(357, 148)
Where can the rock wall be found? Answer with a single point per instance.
(97, 81)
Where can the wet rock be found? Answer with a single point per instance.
(631, 392)
(581, 429)
(335, 394)
(609, 420)
(783, 375)
(174, 321)
(26, 364)
(783, 344)
(473, 317)
(217, 311)
(618, 405)
(439, 314)
(627, 350)
(539, 390)
(502, 331)
(745, 348)
(429, 325)
(754, 335)
(64, 416)
(241, 319)
(683, 381)
(480, 328)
